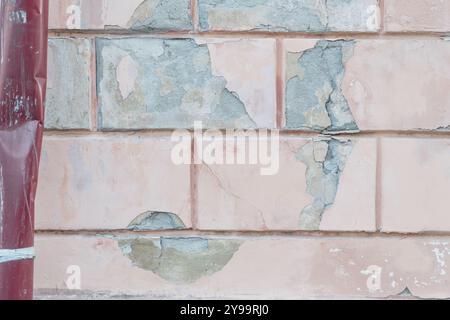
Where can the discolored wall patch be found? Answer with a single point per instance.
(180, 260)
(286, 16)
(325, 160)
(314, 98)
(157, 221)
(161, 14)
(171, 85)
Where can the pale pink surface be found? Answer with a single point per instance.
(96, 14)
(415, 185)
(417, 15)
(399, 84)
(238, 197)
(105, 181)
(266, 267)
(354, 207)
(248, 66)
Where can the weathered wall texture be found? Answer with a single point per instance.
(360, 91)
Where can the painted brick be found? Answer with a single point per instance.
(119, 14)
(263, 267)
(155, 83)
(68, 87)
(415, 185)
(106, 181)
(303, 15)
(350, 85)
(423, 15)
(321, 184)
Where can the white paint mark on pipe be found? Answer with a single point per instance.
(16, 255)
(18, 17)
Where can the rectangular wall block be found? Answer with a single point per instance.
(415, 185)
(313, 184)
(246, 268)
(68, 101)
(284, 16)
(351, 85)
(418, 15)
(119, 14)
(158, 83)
(106, 182)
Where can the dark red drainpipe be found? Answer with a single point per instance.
(23, 73)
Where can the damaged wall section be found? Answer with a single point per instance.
(314, 98)
(171, 86)
(325, 160)
(180, 260)
(156, 221)
(283, 15)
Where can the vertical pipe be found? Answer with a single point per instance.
(23, 72)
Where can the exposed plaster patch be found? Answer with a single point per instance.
(180, 260)
(325, 160)
(406, 293)
(273, 15)
(157, 221)
(314, 98)
(289, 15)
(16, 255)
(174, 87)
(161, 14)
(248, 65)
(143, 11)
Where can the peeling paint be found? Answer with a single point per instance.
(287, 15)
(161, 14)
(314, 98)
(157, 221)
(180, 260)
(441, 252)
(68, 90)
(174, 87)
(18, 17)
(325, 160)
(16, 255)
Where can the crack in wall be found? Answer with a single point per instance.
(325, 160)
(236, 196)
(314, 97)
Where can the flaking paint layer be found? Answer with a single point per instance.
(157, 221)
(314, 98)
(173, 88)
(325, 160)
(289, 15)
